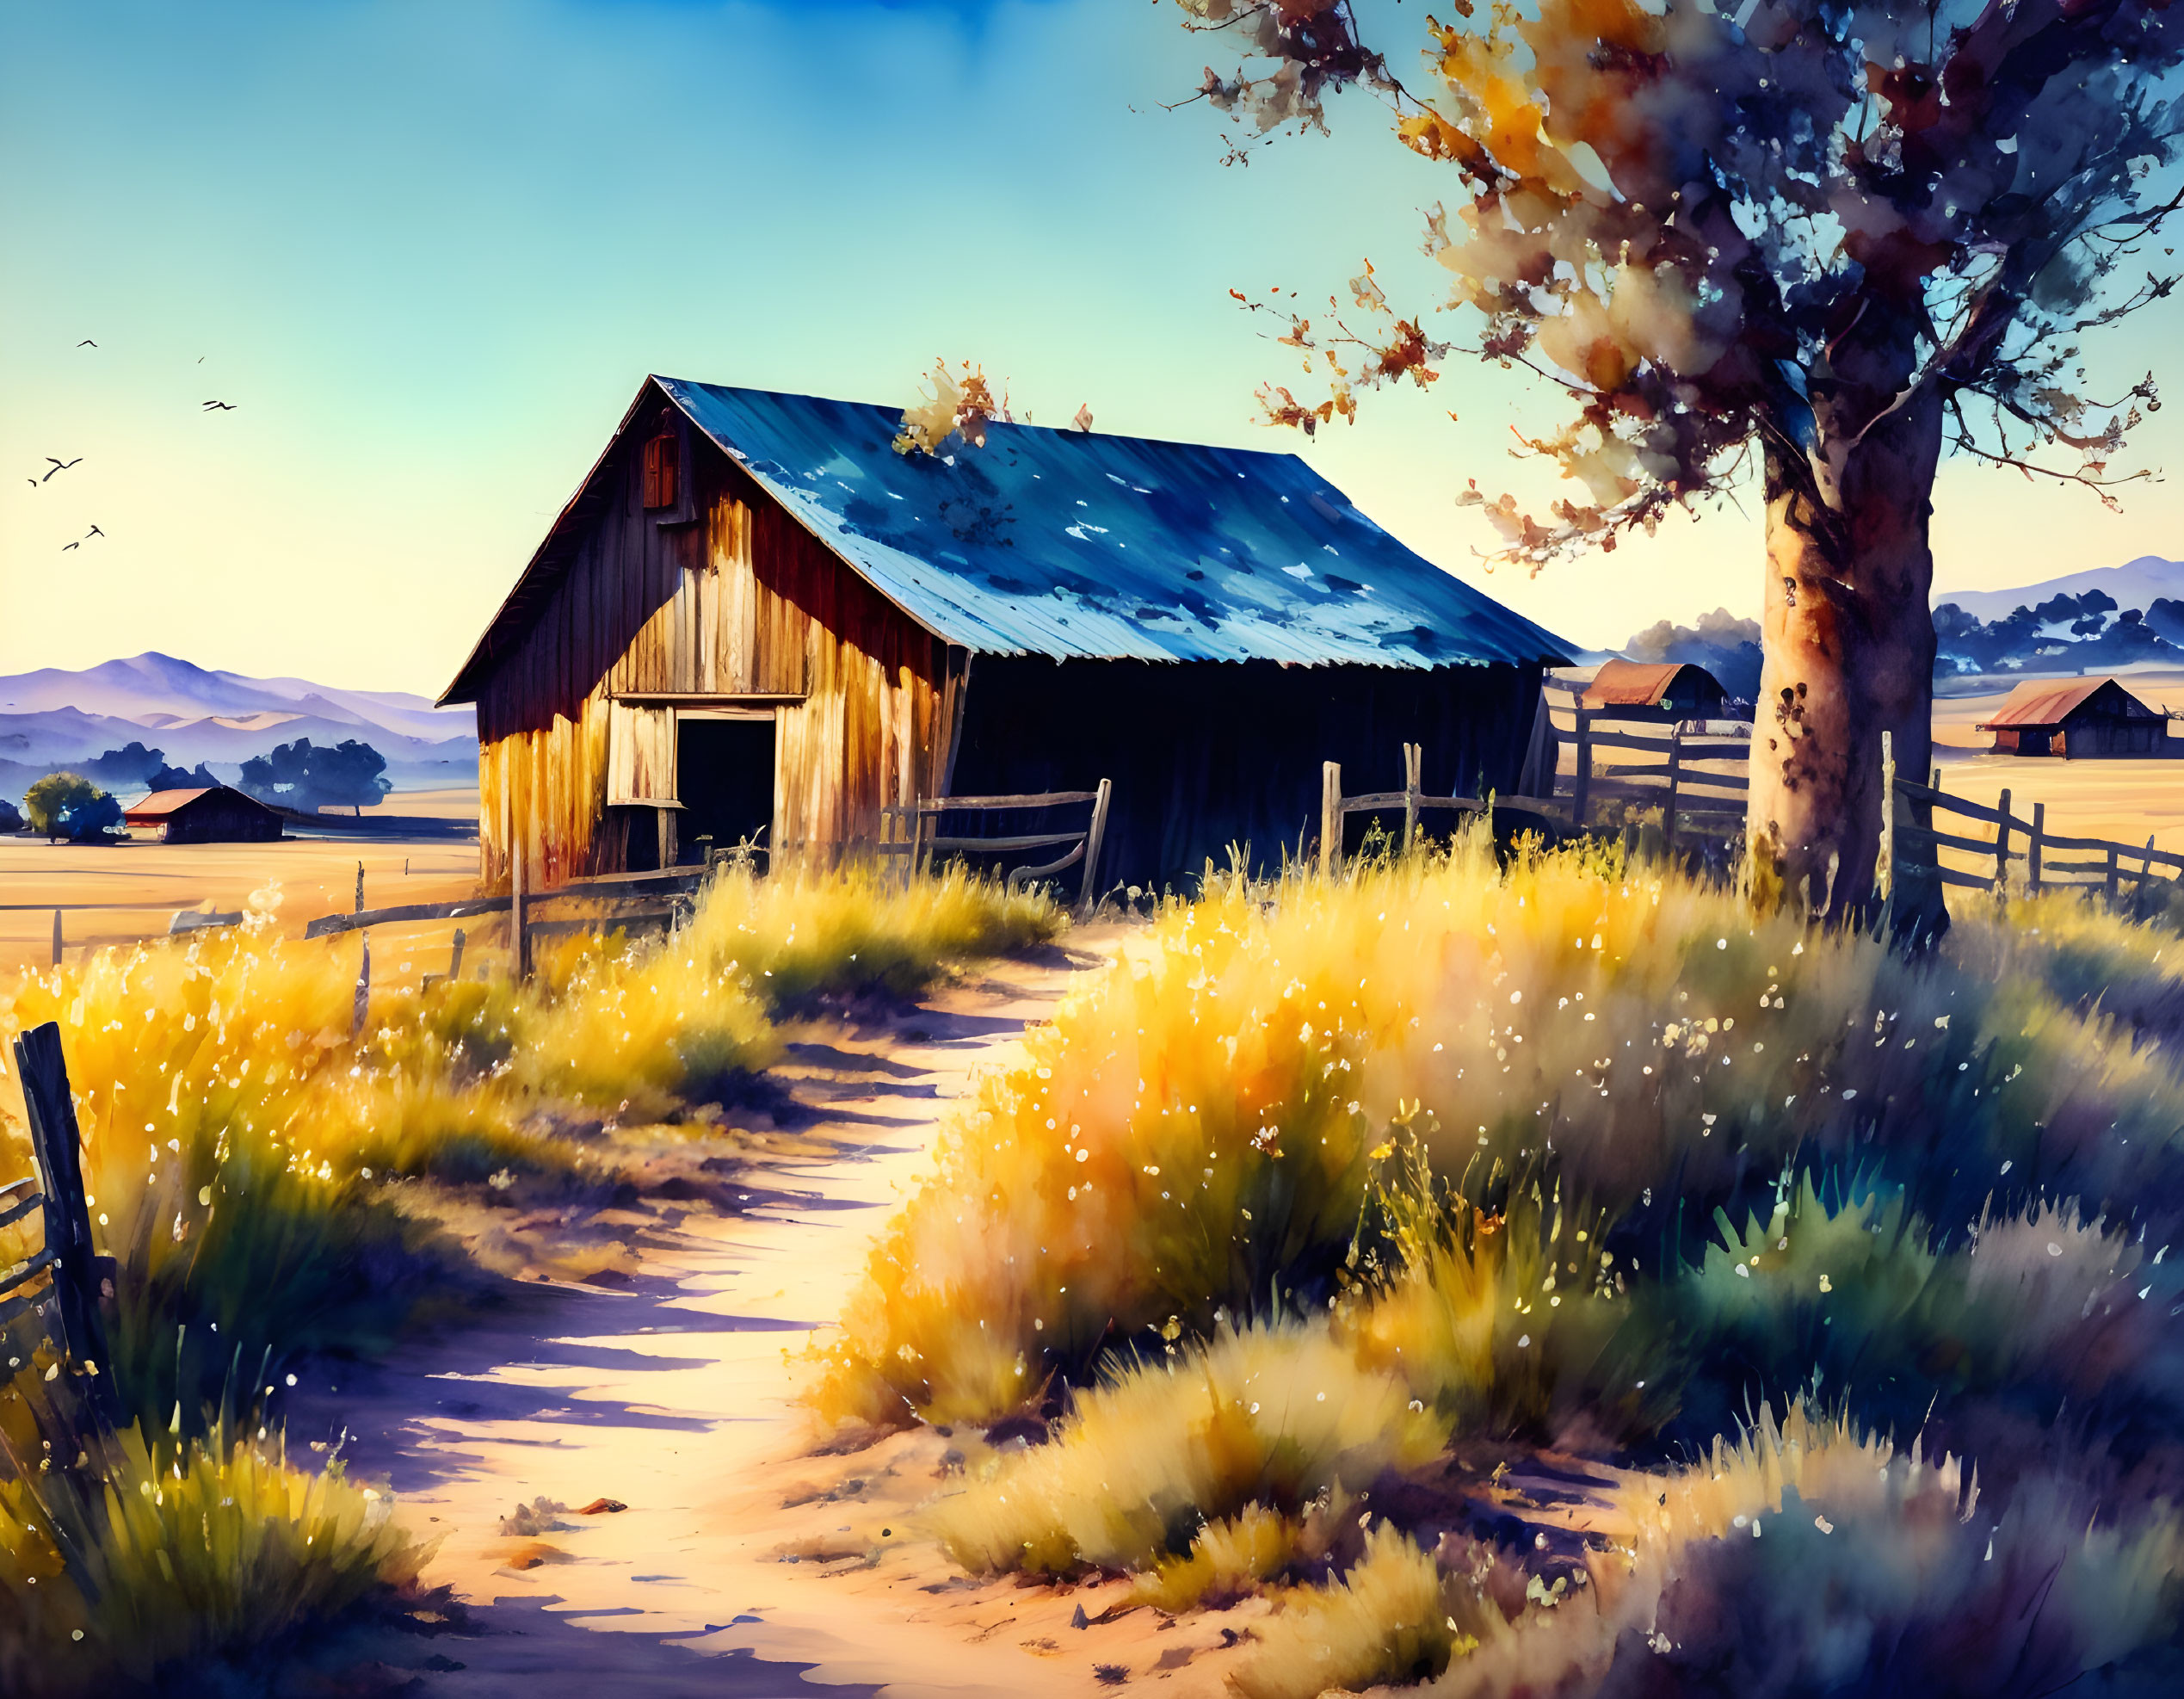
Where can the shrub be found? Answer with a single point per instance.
(1270, 1417)
(803, 935)
(1383, 1623)
(180, 1551)
(68, 804)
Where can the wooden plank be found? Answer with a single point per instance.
(704, 699)
(57, 1145)
(1946, 840)
(1029, 841)
(1413, 759)
(1971, 881)
(1055, 798)
(1580, 799)
(2103, 845)
(1398, 799)
(29, 1270)
(1331, 817)
(1911, 792)
(1091, 892)
(1729, 782)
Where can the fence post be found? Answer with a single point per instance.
(1330, 818)
(1090, 894)
(455, 958)
(1580, 799)
(1884, 863)
(360, 887)
(1675, 783)
(57, 937)
(1414, 757)
(518, 911)
(57, 1146)
(2002, 840)
(2111, 883)
(2033, 848)
(2145, 872)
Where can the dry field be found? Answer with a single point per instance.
(133, 890)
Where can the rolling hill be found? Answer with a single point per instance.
(2136, 583)
(53, 718)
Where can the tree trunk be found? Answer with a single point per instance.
(1849, 653)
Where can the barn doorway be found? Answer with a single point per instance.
(724, 777)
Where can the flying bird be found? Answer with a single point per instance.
(219, 407)
(66, 546)
(93, 532)
(87, 342)
(60, 465)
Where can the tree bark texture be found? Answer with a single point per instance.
(1848, 652)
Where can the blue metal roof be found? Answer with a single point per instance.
(1074, 543)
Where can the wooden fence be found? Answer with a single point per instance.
(911, 830)
(1695, 801)
(2031, 846)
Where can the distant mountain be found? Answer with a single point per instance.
(2099, 620)
(53, 718)
(155, 690)
(2137, 583)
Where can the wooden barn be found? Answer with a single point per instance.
(219, 815)
(2075, 718)
(755, 620)
(1666, 691)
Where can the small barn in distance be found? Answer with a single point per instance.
(219, 815)
(2077, 716)
(756, 619)
(1670, 691)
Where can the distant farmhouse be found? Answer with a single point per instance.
(218, 815)
(2077, 718)
(757, 620)
(1666, 691)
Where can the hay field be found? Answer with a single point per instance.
(139, 885)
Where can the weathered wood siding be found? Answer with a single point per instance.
(725, 594)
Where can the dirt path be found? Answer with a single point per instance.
(675, 1399)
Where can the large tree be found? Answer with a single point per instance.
(1836, 238)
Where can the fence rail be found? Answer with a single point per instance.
(907, 830)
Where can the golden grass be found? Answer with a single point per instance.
(1383, 1623)
(242, 1124)
(1196, 1134)
(1272, 1417)
(1474, 1123)
(185, 1550)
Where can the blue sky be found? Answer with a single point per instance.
(429, 250)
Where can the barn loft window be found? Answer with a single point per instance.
(662, 456)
